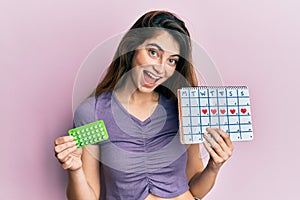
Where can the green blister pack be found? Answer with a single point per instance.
(89, 133)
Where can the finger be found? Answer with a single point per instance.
(226, 138)
(218, 138)
(62, 155)
(215, 135)
(68, 163)
(224, 151)
(63, 139)
(61, 147)
(215, 145)
(212, 152)
(208, 137)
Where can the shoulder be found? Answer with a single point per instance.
(168, 102)
(85, 112)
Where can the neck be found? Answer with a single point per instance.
(126, 95)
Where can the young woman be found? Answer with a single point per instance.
(143, 158)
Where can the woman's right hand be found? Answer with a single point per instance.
(67, 153)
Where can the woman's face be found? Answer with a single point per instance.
(155, 61)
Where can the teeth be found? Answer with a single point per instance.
(152, 76)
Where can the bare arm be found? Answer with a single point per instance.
(83, 169)
(202, 182)
(84, 183)
(201, 179)
(220, 149)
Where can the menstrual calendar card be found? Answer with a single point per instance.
(227, 108)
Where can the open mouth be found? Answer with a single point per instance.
(150, 78)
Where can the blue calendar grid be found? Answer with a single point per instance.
(227, 108)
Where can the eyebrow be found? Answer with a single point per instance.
(159, 48)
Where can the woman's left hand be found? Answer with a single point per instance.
(219, 147)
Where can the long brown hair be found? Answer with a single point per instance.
(144, 28)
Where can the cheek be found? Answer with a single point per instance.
(170, 71)
(141, 59)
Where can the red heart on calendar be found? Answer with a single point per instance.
(223, 111)
(204, 111)
(243, 110)
(213, 111)
(232, 111)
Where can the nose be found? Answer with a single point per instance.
(159, 66)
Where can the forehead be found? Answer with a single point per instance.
(165, 41)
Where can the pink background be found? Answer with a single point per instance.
(43, 43)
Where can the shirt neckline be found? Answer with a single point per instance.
(135, 119)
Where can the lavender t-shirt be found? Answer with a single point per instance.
(140, 157)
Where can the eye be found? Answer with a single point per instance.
(173, 62)
(153, 52)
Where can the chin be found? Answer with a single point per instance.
(146, 89)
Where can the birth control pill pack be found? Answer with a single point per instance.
(89, 133)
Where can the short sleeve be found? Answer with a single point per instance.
(85, 112)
